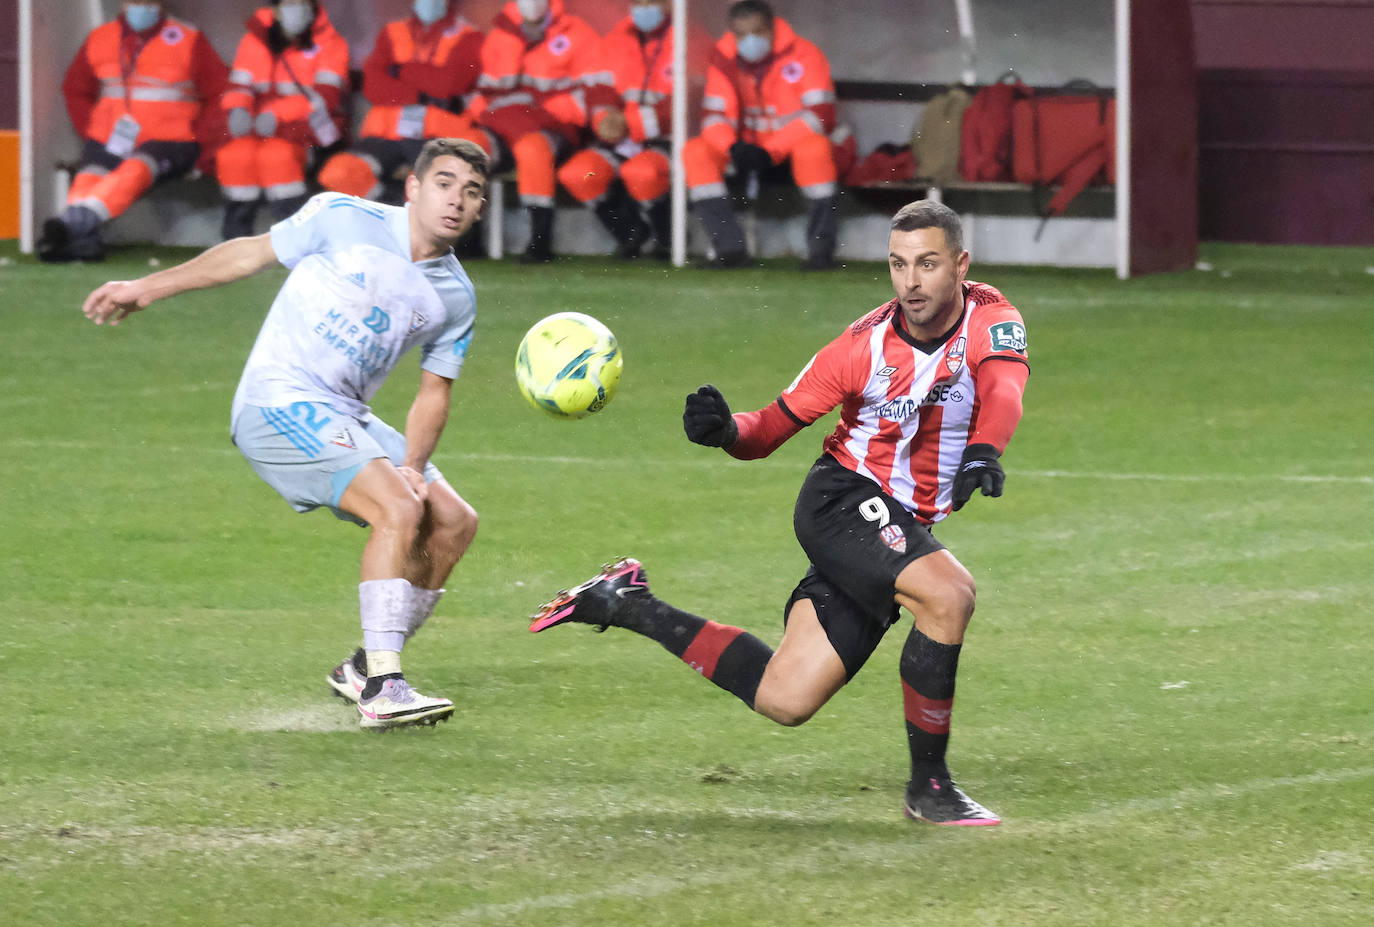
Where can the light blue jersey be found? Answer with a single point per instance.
(353, 304)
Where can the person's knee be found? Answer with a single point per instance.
(950, 608)
(400, 515)
(455, 527)
(787, 706)
(791, 712)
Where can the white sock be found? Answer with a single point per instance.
(422, 603)
(384, 605)
(383, 662)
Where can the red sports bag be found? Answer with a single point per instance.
(985, 135)
(1064, 138)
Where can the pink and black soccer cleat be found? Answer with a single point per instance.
(598, 600)
(940, 801)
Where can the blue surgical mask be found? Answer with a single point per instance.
(430, 12)
(646, 18)
(754, 47)
(141, 16)
(296, 18)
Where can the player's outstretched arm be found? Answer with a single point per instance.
(224, 263)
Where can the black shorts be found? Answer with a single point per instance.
(858, 539)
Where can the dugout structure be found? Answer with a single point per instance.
(1142, 50)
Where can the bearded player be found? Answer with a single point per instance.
(930, 387)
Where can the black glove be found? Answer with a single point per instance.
(978, 470)
(707, 419)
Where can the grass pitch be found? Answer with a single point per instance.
(1166, 690)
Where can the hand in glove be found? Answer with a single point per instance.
(978, 469)
(707, 419)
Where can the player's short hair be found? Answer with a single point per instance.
(928, 214)
(459, 148)
(743, 8)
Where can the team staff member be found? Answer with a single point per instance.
(417, 80)
(368, 283)
(285, 100)
(769, 99)
(929, 386)
(632, 121)
(137, 93)
(538, 62)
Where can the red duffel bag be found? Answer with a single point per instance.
(1064, 138)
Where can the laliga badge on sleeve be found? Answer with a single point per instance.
(123, 137)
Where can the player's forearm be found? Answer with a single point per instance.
(762, 432)
(224, 263)
(426, 420)
(1001, 384)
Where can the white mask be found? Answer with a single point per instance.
(141, 16)
(753, 47)
(430, 12)
(646, 17)
(531, 10)
(296, 18)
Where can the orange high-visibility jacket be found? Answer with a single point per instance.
(641, 72)
(287, 83)
(160, 78)
(548, 80)
(413, 63)
(787, 93)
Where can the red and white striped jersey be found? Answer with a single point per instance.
(907, 407)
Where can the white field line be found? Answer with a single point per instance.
(707, 461)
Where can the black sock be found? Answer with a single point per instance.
(928, 669)
(374, 684)
(731, 658)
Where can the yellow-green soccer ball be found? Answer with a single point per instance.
(568, 365)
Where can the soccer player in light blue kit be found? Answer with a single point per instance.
(368, 282)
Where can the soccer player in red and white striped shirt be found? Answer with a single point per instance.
(929, 385)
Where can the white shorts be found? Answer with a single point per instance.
(309, 453)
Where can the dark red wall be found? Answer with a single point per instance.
(9, 64)
(1286, 120)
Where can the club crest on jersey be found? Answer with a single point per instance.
(344, 439)
(954, 357)
(892, 536)
(417, 322)
(1008, 336)
(379, 321)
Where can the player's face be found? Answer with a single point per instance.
(926, 277)
(446, 201)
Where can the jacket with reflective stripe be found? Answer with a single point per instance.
(284, 84)
(441, 61)
(552, 74)
(641, 78)
(749, 102)
(159, 78)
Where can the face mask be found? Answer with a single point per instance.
(430, 12)
(142, 16)
(754, 47)
(646, 18)
(531, 10)
(296, 18)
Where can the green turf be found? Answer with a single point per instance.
(1166, 690)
